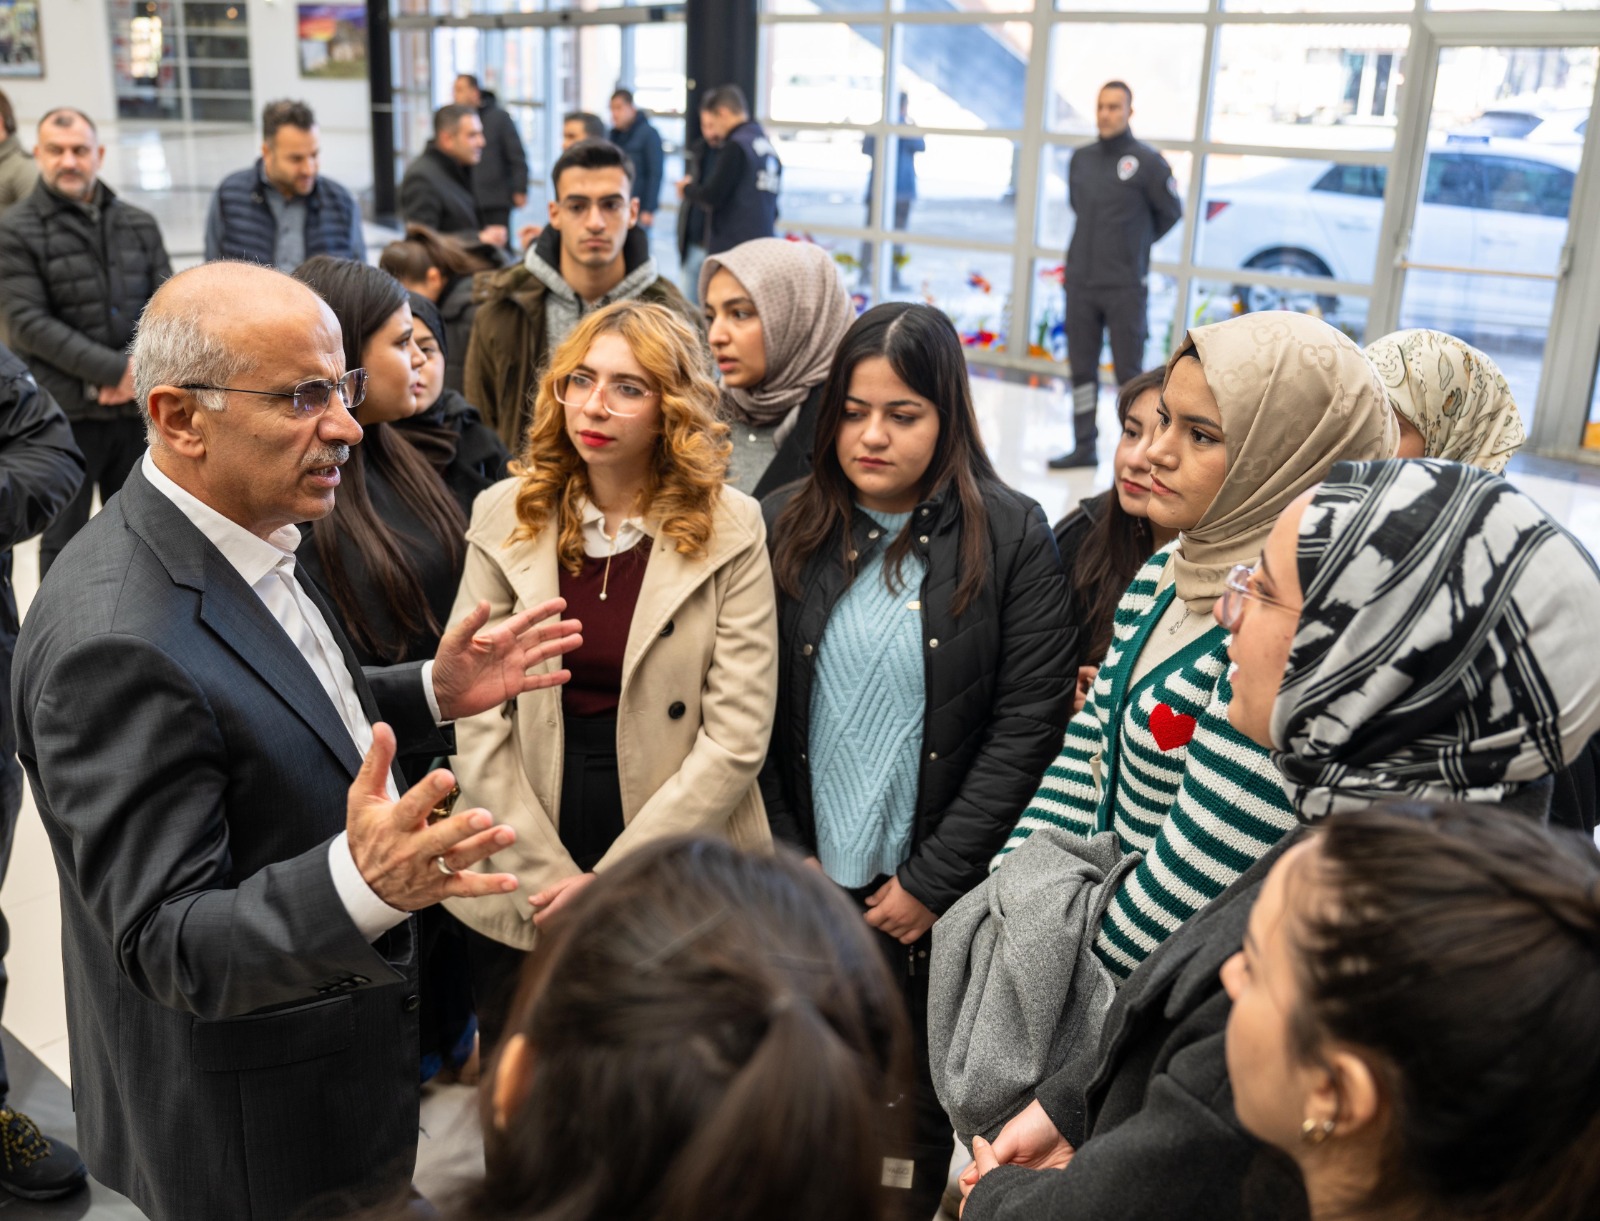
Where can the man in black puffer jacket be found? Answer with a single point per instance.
(78, 265)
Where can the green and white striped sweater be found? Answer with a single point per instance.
(1159, 764)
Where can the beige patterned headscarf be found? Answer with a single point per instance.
(1296, 396)
(804, 310)
(1451, 393)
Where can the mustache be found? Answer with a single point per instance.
(332, 455)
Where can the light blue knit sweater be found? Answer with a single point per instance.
(867, 707)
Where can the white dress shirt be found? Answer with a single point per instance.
(267, 566)
(596, 543)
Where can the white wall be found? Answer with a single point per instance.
(275, 71)
(77, 66)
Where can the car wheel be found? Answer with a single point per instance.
(1253, 298)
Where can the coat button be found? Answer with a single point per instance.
(874, 533)
(933, 755)
(925, 512)
(668, 630)
(806, 650)
(411, 1003)
(852, 555)
(934, 643)
(804, 758)
(677, 710)
(923, 540)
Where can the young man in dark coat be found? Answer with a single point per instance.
(500, 180)
(437, 189)
(633, 133)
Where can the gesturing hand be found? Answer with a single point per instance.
(898, 912)
(397, 851)
(475, 670)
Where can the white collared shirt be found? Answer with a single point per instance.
(597, 544)
(267, 566)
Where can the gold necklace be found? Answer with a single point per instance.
(605, 580)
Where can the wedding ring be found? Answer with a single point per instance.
(443, 868)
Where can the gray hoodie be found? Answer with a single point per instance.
(563, 309)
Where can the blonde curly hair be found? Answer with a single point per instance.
(691, 462)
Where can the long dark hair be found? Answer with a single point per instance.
(1457, 948)
(714, 1034)
(421, 248)
(1115, 548)
(925, 353)
(363, 298)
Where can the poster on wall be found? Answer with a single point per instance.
(20, 53)
(333, 41)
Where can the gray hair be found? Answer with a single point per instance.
(173, 347)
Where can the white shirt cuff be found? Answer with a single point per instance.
(372, 916)
(427, 690)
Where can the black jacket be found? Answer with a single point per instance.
(479, 458)
(741, 192)
(642, 142)
(793, 459)
(437, 191)
(75, 278)
(457, 309)
(1123, 197)
(40, 470)
(999, 687)
(503, 172)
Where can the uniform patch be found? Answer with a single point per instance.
(1127, 168)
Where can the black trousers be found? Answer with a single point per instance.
(927, 1139)
(110, 449)
(1091, 312)
(589, 822)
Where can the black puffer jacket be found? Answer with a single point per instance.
(999, 687)
(73, 281)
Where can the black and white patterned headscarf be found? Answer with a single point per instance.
(1449, 641)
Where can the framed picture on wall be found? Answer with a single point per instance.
(333, 41)
(20, 50)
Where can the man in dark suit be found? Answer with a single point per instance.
(437, 189)
(235, 879)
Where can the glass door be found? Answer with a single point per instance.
(1489, 243)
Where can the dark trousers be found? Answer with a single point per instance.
(589, 823)
(1091, 312)
(10, 807)
(926, 1139)
(110, 449)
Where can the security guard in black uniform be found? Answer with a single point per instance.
(1123, 195)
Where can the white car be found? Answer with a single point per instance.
(1487, 202)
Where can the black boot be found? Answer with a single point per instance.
(1082, 454)
(33, 1166)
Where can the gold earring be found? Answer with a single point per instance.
(1315, 1131)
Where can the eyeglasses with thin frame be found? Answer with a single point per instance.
(310, 398)
(577, 206)
(623, 399)
(1236, 588)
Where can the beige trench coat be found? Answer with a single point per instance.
(704, 634)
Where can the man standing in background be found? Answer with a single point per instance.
(633, 133)
(437, 189)
(1124, 198)
(78, 265)
(500, 179)
(741, 194)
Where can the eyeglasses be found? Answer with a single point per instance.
(622, 399)
(1236, 588)
(311, 398)
(577, 207)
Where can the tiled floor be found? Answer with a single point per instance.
(1023, 426)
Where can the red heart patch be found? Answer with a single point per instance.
(1170, 729)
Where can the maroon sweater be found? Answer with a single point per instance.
(596, 684)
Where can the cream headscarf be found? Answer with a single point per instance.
(1296, 396)
(805, 311)
(1451, 393)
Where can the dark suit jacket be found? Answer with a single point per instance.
(437, 191)
(238, 1050)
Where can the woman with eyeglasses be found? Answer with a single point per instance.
(1410, 630)
(927, 659)
(618, 505)
(775, 311)
(1253, 412)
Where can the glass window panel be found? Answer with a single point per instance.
(1291, 217)
(1217, 301)
(963, 75)
(957, 186)
(1591, 430)
(1513, 6)
(1160, 62)
(1505, 317)
(588, 66)
(1056, 218)
(810, 7)
(972, 287)
(1133, 6)
(1047, 338)
(660, 81)
(850, 253)
(825, 177)
(822, 73)
(1318, 6)
(1308, 86)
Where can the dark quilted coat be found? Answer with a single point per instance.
(75, 280)
(999, 687)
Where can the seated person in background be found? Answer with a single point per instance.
(705, 1033)
(437, 189)
(1413, 1018)
(1451, 399)
(591, 255)
(775, 311)
(467, 454)
(1474, 684)
(1106, 539)
(283, 210)
(441, 269)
